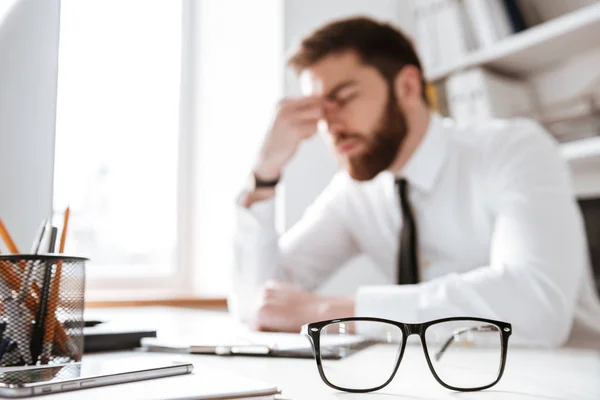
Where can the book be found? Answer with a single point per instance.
(489, 20)
(425, 32)
(458, 92)
(531, 14)
(443, 34)
(431, 92)
(515, 15)
(477, 94)
(440, 89)
(500, 18)
(454, 32)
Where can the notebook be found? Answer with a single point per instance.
(113, 337)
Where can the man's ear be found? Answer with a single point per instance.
(407, 86)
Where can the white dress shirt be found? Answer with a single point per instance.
(499, 230)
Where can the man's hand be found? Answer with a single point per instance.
(285, 308)
(295, 120)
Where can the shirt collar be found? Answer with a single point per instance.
(425, 165)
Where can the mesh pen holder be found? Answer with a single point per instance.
(41, 309)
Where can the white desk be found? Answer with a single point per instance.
(563, 374)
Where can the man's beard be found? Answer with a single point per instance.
(381, 148)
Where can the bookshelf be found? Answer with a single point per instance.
(534, 48)
(531, 56)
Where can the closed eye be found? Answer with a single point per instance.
(347, 99)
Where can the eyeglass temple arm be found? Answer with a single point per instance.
(304, 329)
(459, 332)
(304, 332)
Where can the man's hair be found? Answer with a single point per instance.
(377, 44)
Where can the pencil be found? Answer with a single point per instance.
(12, 247)
(54, 294)
(10, 244)
(14, 281)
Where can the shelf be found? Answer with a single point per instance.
(536, 47)
(581, 149)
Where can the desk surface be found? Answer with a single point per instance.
(530, 374)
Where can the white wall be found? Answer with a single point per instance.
(28, 78)
(314, 165)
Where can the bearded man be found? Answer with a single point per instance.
(477, 221)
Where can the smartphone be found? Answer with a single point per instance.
(33, 381)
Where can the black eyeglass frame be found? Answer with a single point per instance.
(313, 331)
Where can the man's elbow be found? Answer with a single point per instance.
(550, 322)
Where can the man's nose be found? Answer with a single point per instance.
(333, 118)
(335, 129)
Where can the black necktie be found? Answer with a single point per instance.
(408, 272)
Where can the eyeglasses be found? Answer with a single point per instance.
(463, 354)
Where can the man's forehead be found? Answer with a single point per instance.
(327, 73)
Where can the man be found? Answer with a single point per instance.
(468, 221)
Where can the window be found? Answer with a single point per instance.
(240, 81)
(161, 107)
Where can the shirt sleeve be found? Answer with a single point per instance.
(305, 255)
(538, 254)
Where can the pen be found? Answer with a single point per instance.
(37, 334)
(40, 243)
(20, 314)
(242, 350)
(35, 248)
(54, 293)
(27, 279)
